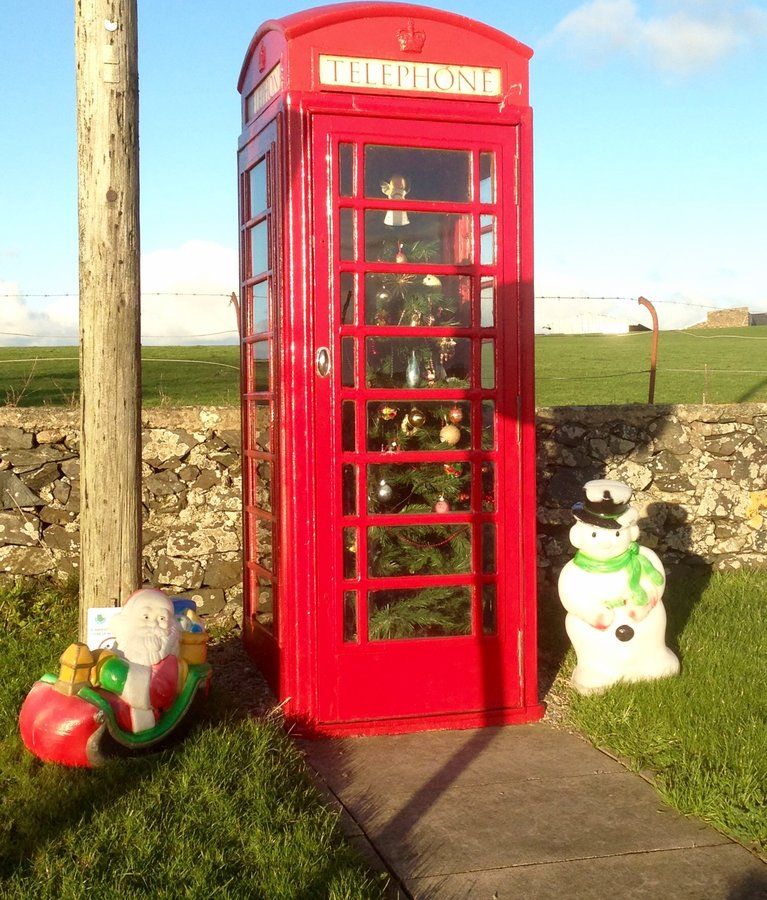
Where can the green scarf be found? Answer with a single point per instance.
(637, 565)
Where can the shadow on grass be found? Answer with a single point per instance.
(687, 576)
(49, 800)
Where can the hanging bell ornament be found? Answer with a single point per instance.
(384, 491)
(401, 256)
(387, 413)
(416, 417)
(396, 188)
(455, 415)
(413, 371)
(450, 434)
(441, 506)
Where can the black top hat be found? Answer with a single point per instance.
(606, 501)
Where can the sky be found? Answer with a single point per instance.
(650, 159)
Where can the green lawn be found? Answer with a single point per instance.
(570, 369)
(704, 733)
(229, 812)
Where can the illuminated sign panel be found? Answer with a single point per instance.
(397, 75)
(268, 88)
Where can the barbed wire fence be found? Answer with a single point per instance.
(574, 386)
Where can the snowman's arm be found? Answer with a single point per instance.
(578, 601)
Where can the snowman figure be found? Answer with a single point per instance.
(612, 591)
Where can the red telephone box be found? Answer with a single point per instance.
(385, 175)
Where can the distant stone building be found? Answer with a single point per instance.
(738, 317)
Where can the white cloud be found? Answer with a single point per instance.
(196, 267)
(177, 317)
(681, 38)
(23, 325)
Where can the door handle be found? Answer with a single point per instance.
(323, 362)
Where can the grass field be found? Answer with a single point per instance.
(704, 733)
(722, 366)
(230, 812)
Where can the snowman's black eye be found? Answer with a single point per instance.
(617, 534)
(593, 534)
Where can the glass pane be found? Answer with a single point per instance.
(487, 178)
(259, 248)
(419, 488)
(350, 553)
(427, 238)
(422, 613)
(348, 426)
(262, 542)
(260, 307)
(408, 173)
(350, 616)
(262, 484)
(348, 362)
(261, 353)
(488, 548)
(487, 240)
(258, 201)
(346, 170)
(489, 609)
(488, 424)
(487, 303)
(259, 426)
(347, 233)
(419, 550)
(488, 486)
(392, 298)
(418, 362)
(396, 425)
(349, 491)
(264, 603)
(488, 364)
(346, 285)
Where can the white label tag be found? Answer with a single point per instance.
(100, 626)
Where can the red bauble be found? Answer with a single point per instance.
(455, 415)
(441, 506)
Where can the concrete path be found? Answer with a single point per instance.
(522, 812)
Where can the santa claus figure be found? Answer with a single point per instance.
(141, 676)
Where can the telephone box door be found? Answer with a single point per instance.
(417, 374)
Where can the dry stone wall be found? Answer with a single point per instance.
(191, 497)
(699, 473)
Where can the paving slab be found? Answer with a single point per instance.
(699, 874)
(523, 811)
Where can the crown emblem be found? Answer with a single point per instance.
(262, 57)
(410, 40)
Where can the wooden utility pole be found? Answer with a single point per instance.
(106, 49)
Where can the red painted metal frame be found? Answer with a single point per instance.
(299, 660)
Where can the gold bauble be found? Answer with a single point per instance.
(450, 434)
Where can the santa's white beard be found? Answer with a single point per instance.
(148, 645)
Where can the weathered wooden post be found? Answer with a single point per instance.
(110, 337)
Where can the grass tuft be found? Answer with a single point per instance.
(703, 735)
(229, 812)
